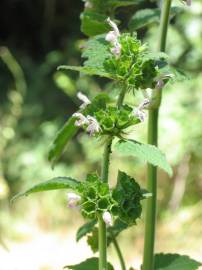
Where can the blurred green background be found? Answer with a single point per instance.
(37, 233)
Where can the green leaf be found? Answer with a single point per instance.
(93, 23)
(89, 264)
(128, 196)
(122, 3)
(175, 262)
(85, 229)
(146, 152)
(53, 184)
(88, 71)
(145, 17)
(96, 51)
(61, 140)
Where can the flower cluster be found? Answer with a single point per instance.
(113, 38)
(89, 122)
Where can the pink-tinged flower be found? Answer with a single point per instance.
(116, 50)
(93, 125)
(73, 200)
(84, 99)
(107, 217)
(81, 119)
(141, 115)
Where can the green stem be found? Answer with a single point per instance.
(150, 220)
(102, 226)
(102, 231)
(102, 234)
(119, 253)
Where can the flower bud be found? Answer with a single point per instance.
(73, 200)
(107, 217)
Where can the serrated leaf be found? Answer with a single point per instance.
(61, 140)
(174, 262)
(93, 23)
(145, 17)
(146, 152)
(85, 229)
(88, 71)
(53, 184)
(96, 51)
(128, 196)
(89, 264)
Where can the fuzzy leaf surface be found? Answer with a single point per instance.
(53, 184)
(96, 51)
(89, 264)
(174, 262)
(146, 152)
(61, 140)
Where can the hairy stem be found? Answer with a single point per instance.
(118, 251)
(150, 221)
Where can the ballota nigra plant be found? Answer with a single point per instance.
(122, 58)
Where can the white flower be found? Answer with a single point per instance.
(93, 125)
(82, 120)
(114, 27)
(112, 37)
(73, 200)
(138, 112)
(141, 115)
(107, 218)
(84, 99)
(88, 4)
